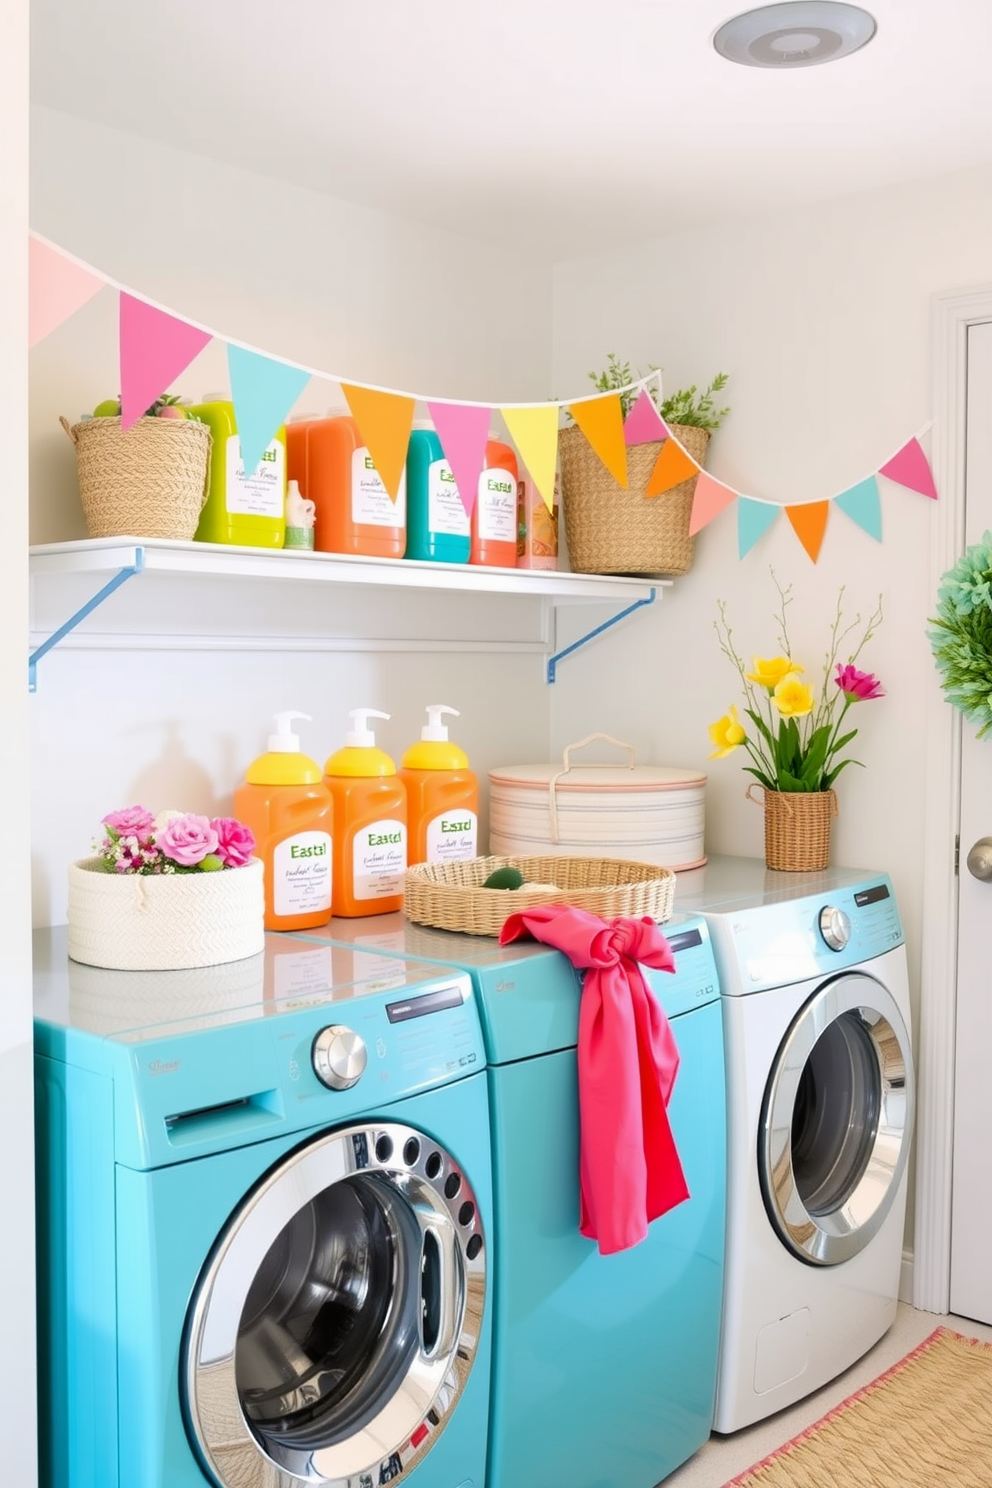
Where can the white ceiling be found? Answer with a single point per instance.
(562, 128)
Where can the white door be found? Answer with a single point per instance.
(971, 1201)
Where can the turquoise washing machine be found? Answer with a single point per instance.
(264, 1223)
(604, 1367)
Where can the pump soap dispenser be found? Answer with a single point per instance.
(442, 795)
(370, 823)
(289, 809)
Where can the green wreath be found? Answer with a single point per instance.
(961, 634)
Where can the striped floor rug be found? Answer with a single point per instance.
(926, 1423)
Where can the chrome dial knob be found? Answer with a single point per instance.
(339, 1057)
(835, 927)
(980, 860)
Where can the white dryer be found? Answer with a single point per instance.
(820, 1110)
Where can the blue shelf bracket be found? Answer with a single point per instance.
(591, 635)
(118, 579)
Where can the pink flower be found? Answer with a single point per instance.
(131, 821)
(235, 841)
(858, 687)
(187, 839)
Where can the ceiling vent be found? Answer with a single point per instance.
(802, 33)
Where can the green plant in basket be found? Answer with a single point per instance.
(688, 406)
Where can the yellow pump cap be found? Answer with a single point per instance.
(435, 750)
(284, 763)
(359, 755)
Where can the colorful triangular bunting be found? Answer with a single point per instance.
(673, 466)
(709, 499)
(57, 288)
(910, 467)
(263, 391)
(810, 523)
(753, 520)
(155, 349)
(463, 429)
(601, 421)
(644, 424)
(384, 421)
(535, 433)
(861, 503)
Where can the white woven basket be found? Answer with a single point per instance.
(164, 922)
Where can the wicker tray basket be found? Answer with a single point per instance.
(610, 530)
(450, 896)
(146, 481)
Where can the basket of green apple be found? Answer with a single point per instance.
(149, 480)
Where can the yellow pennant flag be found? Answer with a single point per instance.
(535, 433)
(673, 466)
(809, 523)
(384, 421)
(601, 421)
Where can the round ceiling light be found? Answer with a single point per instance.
(799, 33)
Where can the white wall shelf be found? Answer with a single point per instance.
(103, 565)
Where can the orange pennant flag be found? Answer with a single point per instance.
(384, 421)
(673, 466)
(810, 524)
(709, 499)
(601, 421)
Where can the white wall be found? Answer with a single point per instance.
(335, 287)
(17, 1370)
(822, 318)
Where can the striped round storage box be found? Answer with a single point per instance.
(649, 813)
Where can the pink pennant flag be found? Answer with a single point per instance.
(644, 424)
(710, 498)
(911, 468)
(155, 349)
(57, 288)
(463, 429)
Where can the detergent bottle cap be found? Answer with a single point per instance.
(361, 736)
(216, 398)
(284, 741)
(434, 731)
(425, 423)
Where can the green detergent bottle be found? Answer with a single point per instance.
(245, 511)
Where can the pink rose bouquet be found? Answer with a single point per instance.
(135, 841)
(794, 735)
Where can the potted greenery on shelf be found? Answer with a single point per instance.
(610, 529)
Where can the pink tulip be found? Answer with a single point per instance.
(857, 686)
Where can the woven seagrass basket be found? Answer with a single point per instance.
(610, 530)
(450, 896)
(167, 921)
(146, 481)
(797, 828)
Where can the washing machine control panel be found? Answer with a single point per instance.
(835, 927)
(339, 1057)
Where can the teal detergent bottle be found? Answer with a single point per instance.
(437, 527)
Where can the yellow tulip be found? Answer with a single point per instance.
(726, 734)
(793, 698)
(770, 673)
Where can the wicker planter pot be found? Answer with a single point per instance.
(797, 828)
(610, 530)
(146, 481)
(164, 922)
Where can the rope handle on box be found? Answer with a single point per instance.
(598, 765)
(756, 785)
(67, 427)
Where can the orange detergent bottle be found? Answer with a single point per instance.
(333, 469)
(370, 823)
(494, 516)
(442, 795)
(289, 809)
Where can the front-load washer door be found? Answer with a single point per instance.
(335, 1324)
(837, 1120)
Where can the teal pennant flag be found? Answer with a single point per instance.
(753, 520)
(263, 392)
(862, 505)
